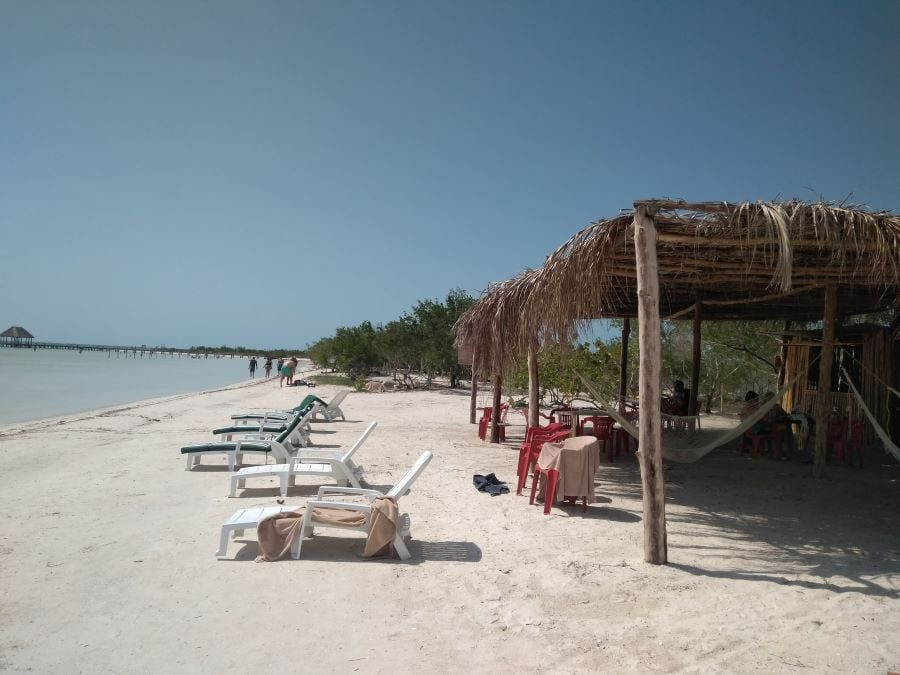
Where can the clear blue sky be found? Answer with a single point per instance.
(260, 173)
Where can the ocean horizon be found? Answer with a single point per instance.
(43, 383)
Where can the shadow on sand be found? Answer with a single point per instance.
(346, 549)
(761, 520)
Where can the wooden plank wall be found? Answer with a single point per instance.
(877, 358)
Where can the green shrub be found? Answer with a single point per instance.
(339, 380)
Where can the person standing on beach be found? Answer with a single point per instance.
(252, 366)
(285, 371)
(268, 367)
(293, 365)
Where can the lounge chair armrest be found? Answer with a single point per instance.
(347, 506)
(314, 459)
(315, 453)
(333, 489)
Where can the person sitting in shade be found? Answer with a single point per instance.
(751, 404)
(677, 403)
(778, 422)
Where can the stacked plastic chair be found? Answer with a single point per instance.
(531, 449)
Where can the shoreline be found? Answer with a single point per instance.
(25, 426)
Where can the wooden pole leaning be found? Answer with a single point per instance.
(650, 432)
(534, 389)
(495, 413)
(823, 391)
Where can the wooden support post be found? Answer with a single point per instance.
(782, 365)
(495, 413)
(623, 364)
(823, 393)
(473, 400)
(695, 364)
(534, 389)
(650, 432)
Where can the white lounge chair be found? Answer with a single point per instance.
(280, 447)
(332, 410)
(267, 430)
(313, 462)
(277, 415)
(247, 519)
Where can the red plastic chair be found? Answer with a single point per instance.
(550, 491)
(530, 432)
(536, 435)
(836, 439)
(601, 429)
(756, 441)
(566, 418)
(485, 422)
(621, 438)
(529, 455)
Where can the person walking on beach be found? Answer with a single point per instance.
(285, 371)
(252, 366)
(268, 367)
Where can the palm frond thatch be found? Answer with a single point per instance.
(749, 260)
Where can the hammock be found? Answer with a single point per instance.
(686, 455)
(882, 434)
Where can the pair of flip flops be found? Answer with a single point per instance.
(490, 484)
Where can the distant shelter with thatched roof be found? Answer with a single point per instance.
(16, 336)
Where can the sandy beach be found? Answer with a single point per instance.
(107, 546)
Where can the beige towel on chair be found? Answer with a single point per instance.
(382, 528)
(276, 533)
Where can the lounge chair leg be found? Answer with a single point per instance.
(401, 549)
(233, 492)
(189, 462)
(223, 543)
(283, 484)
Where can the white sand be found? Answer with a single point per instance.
(107, 547)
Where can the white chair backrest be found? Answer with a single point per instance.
(284, 435)
(359, 441)
(402, 487)
(337, 399)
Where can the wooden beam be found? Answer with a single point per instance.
(824, 388)
(495, 413)
(623, 363)
(694, 241)
(650, 432)
(746, 301)
(695, 363)
(534, 389)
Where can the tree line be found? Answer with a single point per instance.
(419, 341)
(736, 356)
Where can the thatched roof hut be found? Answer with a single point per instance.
(710, 260)
(16, 336)
(750, 260)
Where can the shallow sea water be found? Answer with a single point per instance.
(51, 382)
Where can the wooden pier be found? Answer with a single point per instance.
(137, 352)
